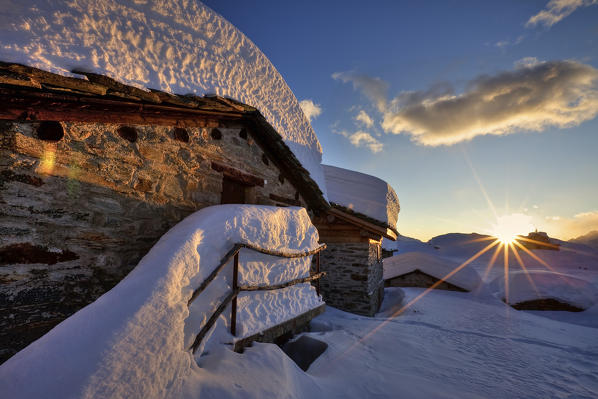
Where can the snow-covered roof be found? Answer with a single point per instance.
(546, 285)
(361, 193)
(432, 265)
(179, 47)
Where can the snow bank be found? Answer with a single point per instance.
(433, 265)
(132, 341)
(447, 345)
(406, 244)
(362, 193)
(547, 285)
(173, 45)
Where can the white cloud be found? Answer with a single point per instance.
(556, 10)
(533, 96)
(364, 118)
(310, 109)
(572, 227)
(363, 139)
(374, 88)
(503, 44)
(527, 62)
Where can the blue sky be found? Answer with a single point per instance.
(543, 165)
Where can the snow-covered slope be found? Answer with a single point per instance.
(362, 193)
(545, 284)
(406, 244)
(447, 345)
(133, 341)
(432, 265)
(590, 239)
(178, 46)
(571, 258)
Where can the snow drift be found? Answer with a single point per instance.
(432, 265)
(177, 46)
(133, 341)
(546, 285)
(406, 244)
(362, 193)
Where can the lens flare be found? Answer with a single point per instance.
(47, 162)
(509, 227)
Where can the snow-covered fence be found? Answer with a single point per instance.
(236, 289)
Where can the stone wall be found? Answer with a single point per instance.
(79, 211)
(354, 276)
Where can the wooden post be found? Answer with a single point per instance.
(233, 311)
(318, 271)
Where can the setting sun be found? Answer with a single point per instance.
(508, 227)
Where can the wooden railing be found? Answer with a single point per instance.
(232, 296)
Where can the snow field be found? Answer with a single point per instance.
(447, 345)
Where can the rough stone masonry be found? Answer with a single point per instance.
(81, 203)
(354, 276)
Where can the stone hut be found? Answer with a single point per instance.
(93, 172)
(538, 240)
(364, 210)
(425, 270)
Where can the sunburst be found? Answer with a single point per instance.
(507, 237)
(508, 228)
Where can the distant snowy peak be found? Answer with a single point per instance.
(590, 239)
(361, 193)
(177, 46)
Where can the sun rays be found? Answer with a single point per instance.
(508, 228)
(509, 243)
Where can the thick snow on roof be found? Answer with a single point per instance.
(132, 341)
(176, 46)
(546, 284)
(432, 265)
(362, 193)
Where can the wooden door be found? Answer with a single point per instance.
(233, 192)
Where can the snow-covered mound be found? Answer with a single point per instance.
(571, 258)
(406, 244)
(362, 193)
(460, 244)
(546, 285)
(432, 265)
(173, 45)
(133, 341)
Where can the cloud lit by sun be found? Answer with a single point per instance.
(508, 227)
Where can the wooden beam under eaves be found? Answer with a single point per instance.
(386, 232)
